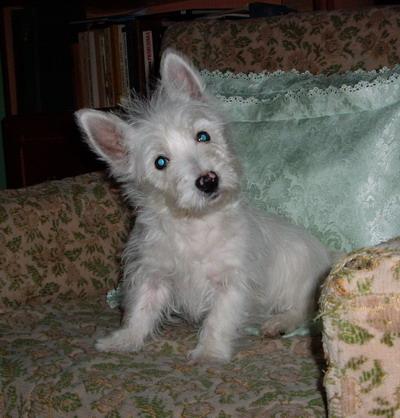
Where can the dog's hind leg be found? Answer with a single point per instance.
(284, 322)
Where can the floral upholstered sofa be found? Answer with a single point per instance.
(60, 242)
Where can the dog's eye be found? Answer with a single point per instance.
(203, 136)
(161, 162)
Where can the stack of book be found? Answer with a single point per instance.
(113, 58)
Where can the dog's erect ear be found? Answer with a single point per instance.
(106, 135)
(179, 76)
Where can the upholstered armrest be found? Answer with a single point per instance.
(360, 307)
(60, 239)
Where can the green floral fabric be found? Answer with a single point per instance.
(60, 240)
(319, 150)
(361, 316)
(320, 42)
(49, 368)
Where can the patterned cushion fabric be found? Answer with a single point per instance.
(49, 368)
(320, 42)
(322, 151)
(361, 315)
(61, 239)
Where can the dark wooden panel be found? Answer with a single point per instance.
(44, 147)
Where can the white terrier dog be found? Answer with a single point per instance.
(197, 248)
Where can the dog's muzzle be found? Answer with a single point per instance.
(207, 183)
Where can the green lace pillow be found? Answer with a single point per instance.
(268, 85)
(322, 151)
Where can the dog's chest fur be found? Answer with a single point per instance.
(207, 241)
(196, 254)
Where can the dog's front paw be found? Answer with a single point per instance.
(201, 354)
(122, 340)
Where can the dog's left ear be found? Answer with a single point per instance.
(107, 135)
(179, 76)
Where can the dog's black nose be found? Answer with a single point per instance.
(208, 183)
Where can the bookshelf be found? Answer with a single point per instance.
(58, 58)
(342, 4)
(98, 8)
(51, 52)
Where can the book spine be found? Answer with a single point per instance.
(126, 73)
(87, 90)
(109, 81)
(148, 58)
(94, 84)
(116, 71)
(100, 58)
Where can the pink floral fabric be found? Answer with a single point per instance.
(319, 42)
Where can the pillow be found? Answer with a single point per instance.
(323, 151)
(264, 85)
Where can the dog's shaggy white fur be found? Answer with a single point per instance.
(197, 248)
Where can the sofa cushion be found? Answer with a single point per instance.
(49, 368)
(322, 151)
(60, 239)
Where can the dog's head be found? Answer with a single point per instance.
(172, 147)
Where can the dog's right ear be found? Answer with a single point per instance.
(106, 135)
(179, 75)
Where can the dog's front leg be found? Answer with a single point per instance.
(142, 314)
(221, 326)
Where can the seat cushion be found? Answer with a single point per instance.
(49, 367)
